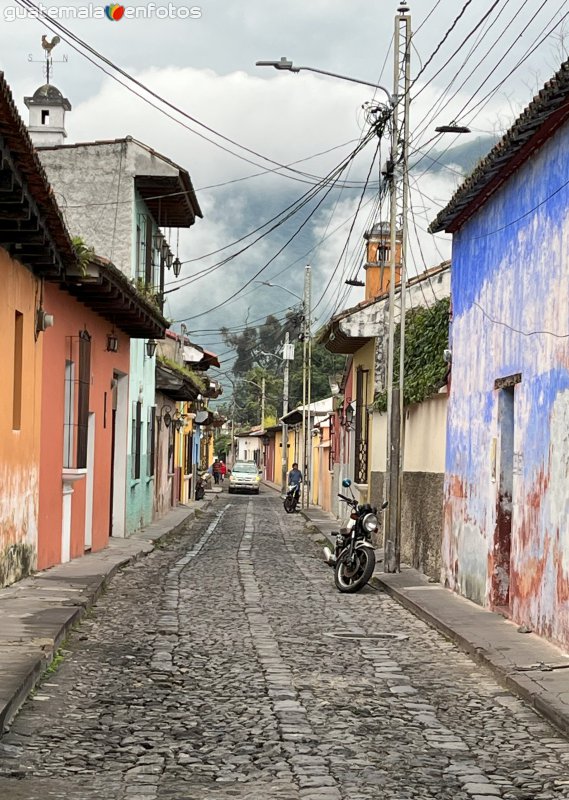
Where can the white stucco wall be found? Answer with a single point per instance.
(83, 178)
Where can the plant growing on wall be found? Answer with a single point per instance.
(426, 338)
(83, 252)
(148, 292)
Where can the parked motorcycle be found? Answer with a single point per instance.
(354, 556)
(292, 497)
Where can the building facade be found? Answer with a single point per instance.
(506, 534)
(151, 193)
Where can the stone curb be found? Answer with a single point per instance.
(39, 661)
(519, 684)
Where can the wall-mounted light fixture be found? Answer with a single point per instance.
(347, 419)
(177, 267)
(151, 346)
(112, 342)
(165, 417)
(43, 321)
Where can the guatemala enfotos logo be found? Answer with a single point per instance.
(115, 12)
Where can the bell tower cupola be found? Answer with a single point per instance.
(47, 110)
(47, 106)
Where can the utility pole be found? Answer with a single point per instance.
(262, 424)
(306, 352)
(284, 434)
(399, 200)
(262, 404)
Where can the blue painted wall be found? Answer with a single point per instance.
(510, 284)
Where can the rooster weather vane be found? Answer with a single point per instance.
(48, 63)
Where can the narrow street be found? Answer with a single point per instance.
(208, 671)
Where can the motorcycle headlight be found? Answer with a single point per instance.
(370, 523)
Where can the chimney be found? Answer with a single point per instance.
(47, 110)
(378, 260)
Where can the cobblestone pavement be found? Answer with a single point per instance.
(208, 672)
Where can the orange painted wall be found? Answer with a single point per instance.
(71, 317)
(19, 449)
(378, 277)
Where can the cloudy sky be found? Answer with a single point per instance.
(205, 66)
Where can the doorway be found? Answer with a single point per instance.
(90, 482)
(119, 427)
(500, 578)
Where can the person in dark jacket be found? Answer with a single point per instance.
(295, 476)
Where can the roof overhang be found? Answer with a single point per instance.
(32, 229)
(350, 330)
(547, 112)
(164, 185)
(173, 384)
(170, 199)
(106, 290)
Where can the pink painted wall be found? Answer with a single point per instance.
(71, 317)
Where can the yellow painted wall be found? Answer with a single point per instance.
(315, 488)
(19, 448)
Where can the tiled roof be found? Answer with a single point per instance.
(544, 115)
(17, 139)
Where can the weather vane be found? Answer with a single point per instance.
(48, 63)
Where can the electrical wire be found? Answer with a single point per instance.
(72, 38)
(304, 201)
(351, 229)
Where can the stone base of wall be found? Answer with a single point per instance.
(421, 518)
(16, 562)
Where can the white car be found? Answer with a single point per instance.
(245, 476)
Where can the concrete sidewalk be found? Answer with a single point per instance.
(37, 613)
(527, 665)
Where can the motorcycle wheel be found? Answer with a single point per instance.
(289, 505)
(350, 578)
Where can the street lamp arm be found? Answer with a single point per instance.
(285, 64)
(278, 286)
(346, 78)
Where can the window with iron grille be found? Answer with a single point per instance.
(362, 425)
(136, 440)
(83, 398)
(76, 401)
(332, 443)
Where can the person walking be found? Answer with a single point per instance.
(216, 470)
(223, 471)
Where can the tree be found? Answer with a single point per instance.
(254, 348)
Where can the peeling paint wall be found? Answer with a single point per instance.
(510, 279)
(19, 441)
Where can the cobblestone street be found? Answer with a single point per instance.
(208, 671)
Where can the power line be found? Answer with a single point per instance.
(304, 201)
(485, 100)
(70, 38)
(346, 245)
(335, 172)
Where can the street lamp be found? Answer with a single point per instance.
(285, 64)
